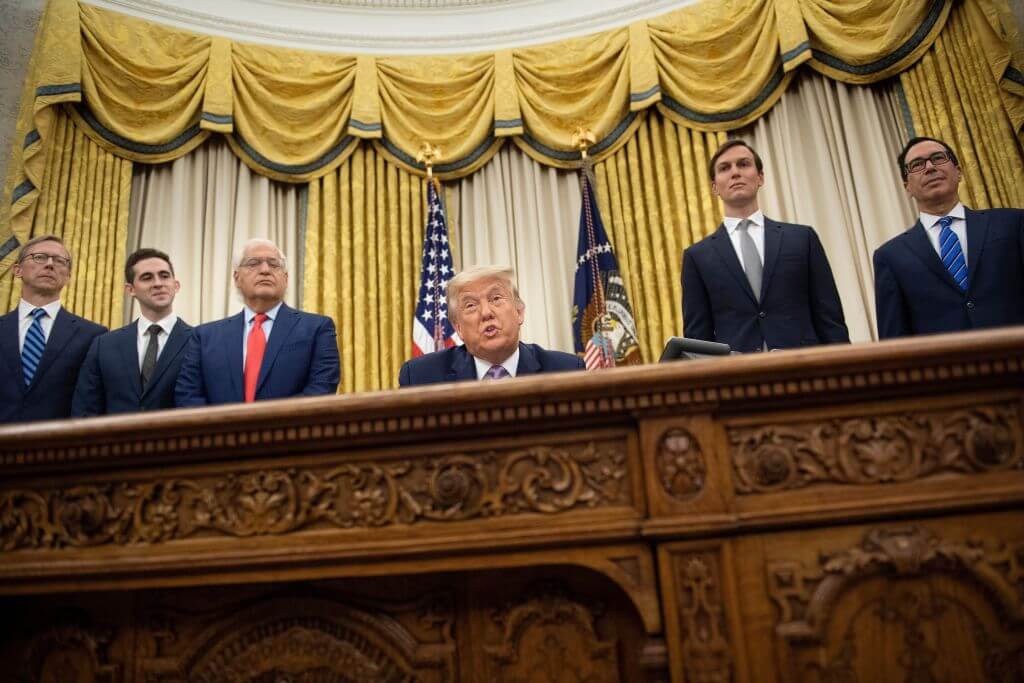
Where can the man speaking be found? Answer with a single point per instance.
(486, 311)
(269, 350)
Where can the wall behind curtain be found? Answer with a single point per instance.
(200, 209)
(19, 19)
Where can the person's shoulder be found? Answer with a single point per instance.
(92, 328)
(703, 243)
(790, 227)
(311, 317)
(215, 326)
(894, 241)
(1008, 214)
(550, 358)
(441, 358)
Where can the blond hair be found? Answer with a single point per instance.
(474, 274)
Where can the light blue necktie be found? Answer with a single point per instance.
(35, 344)
(951, 253)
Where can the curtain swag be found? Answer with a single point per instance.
(150, 93)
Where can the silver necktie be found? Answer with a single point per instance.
(751, 259)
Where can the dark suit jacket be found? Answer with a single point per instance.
(798, 304)
(456, 364)
(915, 294)
(110, 381)
(301, 360)
(49, 395)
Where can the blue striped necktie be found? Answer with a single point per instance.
(35, 344)
(951, 253)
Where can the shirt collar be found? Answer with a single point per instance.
(757, 218)
(25, 308)
(272, 313)
(929, 221)
(511, 364)
(166, 324)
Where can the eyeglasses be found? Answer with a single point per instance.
(254, 263)
(937, 159)
(42, 259)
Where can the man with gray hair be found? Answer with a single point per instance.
(486, 311)
(268, 350)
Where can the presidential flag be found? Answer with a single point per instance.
(603, 328)
(431, 329)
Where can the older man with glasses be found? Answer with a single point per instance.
(42, 346)
(956, 268)
(268, 350)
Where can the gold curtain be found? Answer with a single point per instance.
(85, 202)
(364, 237)
(952, 95)
(655, 197)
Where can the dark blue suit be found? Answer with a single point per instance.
(110, 381)
(456, 364)
(301, 359)
(49, 395)
(798, 304)
(915, 294)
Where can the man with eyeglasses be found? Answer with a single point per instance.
(41, 344)
(956, 268)
(136, 367)
(267, 351)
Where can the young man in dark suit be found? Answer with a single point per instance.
(483, 305)
(269, 350)
(757, 284)
(135, 367)
(955, 268)
(42, 346)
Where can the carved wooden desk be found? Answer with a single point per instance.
(837, 514)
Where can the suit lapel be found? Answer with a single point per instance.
(921, 246)
(127, 344)
(462, 366)
(64, 328)
(723, 245)
(977, 231)
(9, 346)
(175, 343)
(235, 334)
(772, 247)
(528, 362)
(287, 318)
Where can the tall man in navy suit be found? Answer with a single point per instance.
(757, 284)
(269, 350)
(42, 346)
(136, 367)
(484, 307)
(955, 269)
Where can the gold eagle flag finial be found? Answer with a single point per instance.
(427, 155)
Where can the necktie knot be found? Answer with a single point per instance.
(743, 225)
(38, 313)
(946, 222)
(154, 330)
(496, 372)
(259, 319)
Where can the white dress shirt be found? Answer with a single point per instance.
(25, 320)
(510, 364)
(268, 325)
(755, 230)
(959, 228)
(142, 334)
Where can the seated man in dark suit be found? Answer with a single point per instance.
(269, 350)
(757, 284)
(136, 367)
(42, 346)
(486, 311)
(954, 269)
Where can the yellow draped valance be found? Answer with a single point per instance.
(150, 93)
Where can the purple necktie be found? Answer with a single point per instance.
(496, 372)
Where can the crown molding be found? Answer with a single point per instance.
(395, 27)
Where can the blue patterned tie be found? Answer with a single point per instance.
(951, 253)
(35, 344)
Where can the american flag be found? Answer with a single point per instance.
(431, 329)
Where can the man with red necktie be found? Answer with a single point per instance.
(268, 350)
(955, 269)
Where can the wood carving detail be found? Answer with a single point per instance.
(876, 450)
(806, 596)
(70, 653)
(681, 466)
(539, 479)
(703, 629)
(550, 638)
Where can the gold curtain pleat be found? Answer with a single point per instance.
(85, 202)
(953, 96)
(655, 197)
(364, 237)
